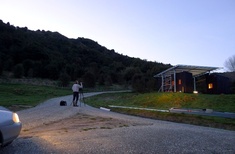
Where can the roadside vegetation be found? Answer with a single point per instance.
(165, 101)
(21, 96)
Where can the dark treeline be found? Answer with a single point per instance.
(50, 55)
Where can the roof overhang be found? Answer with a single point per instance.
(195, 70)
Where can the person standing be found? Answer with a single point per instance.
(75, 89)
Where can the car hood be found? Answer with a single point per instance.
(6, 117)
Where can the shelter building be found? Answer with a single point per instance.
(182, 78)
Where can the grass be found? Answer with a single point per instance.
(223, 103)
(31, 95)
(18, 95)
(165, 101)
(28, 95)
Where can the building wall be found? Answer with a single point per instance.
(184, 82)
(217, 84)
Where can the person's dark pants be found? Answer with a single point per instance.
(75, 98)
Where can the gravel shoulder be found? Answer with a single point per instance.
(50, 111)
(50, 128)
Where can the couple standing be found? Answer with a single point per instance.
(75, 89)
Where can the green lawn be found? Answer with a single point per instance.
(30, 95)
(223, 103)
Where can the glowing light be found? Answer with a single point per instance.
(210, 86)
(15, 118)
(195, 92)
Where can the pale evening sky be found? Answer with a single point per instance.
(190, 32)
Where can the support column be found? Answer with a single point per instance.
(174, 81)
(162, 83)
(194, 84)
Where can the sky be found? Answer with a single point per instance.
(188, 32)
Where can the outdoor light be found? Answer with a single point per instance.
(195, 92)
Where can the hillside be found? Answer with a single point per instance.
(50, 55)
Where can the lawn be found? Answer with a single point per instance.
(165, 101)
(223, 103)
(12, 95)
(28, 95)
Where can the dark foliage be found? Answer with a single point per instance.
(44, 54)
(64, 79)
(18, 71)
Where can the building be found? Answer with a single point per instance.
(184, 78)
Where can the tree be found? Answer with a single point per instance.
(89, 80)
(129, 72)
(52, 70)
(151, 84)
(230, 64)
(45, 54)
(18, 70)
(28, 65)
(138, 83)
(108, 81)
(64, 79)
(1, 68)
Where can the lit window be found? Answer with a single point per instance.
(180, 81)
(210, 86)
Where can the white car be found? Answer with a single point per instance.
(10, 126)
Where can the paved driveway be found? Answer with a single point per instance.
(50, 128)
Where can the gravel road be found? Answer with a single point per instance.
(50, 128)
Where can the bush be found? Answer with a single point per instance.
(138, 83)
(89, 80)
(64, 79)
(18, 71)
